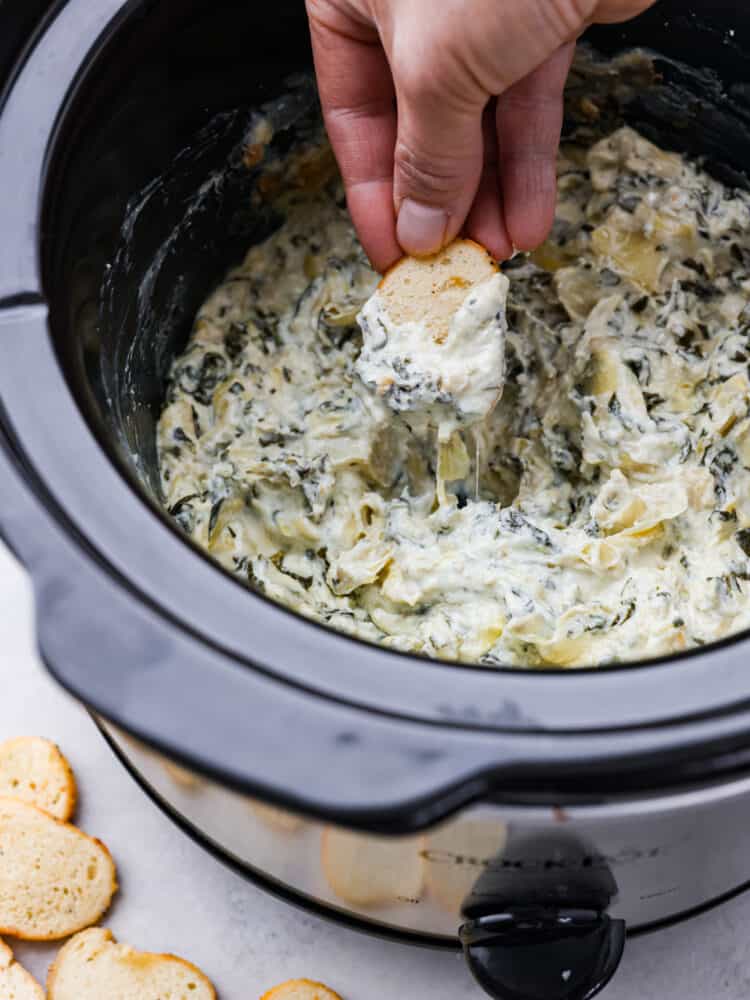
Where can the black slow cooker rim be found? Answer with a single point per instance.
(407, 661)
(620, 719)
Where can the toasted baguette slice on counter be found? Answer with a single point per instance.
(93, 966)
(300, 989)
(33, 769)
(54, 880)
(431, 290)
(372, 871)
(15, 982)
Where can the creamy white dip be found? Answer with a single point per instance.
(600, 512)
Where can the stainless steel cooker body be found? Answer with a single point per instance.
(532, 817)
(652, 859)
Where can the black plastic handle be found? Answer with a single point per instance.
(543, 953)
(125, 659)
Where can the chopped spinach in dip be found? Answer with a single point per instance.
(600, 513)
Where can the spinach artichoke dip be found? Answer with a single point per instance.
(442, 378)
(600, 512)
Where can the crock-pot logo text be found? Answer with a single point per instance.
(626, 856)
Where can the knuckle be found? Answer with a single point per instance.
(567, 17)
(417, 83)
(434, 64)
(436, 176)
(316, 9)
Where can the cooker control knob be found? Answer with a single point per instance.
(543, 953)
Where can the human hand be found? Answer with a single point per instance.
(445, 115)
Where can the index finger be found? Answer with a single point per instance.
(358, 100)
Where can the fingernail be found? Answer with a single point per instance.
(421, 228)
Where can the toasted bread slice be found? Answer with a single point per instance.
(54, 880)
(33, 769)
(434, 339)
(431, 290)
(300, 989)
(92, 966)
(372, 871)
(15, 982)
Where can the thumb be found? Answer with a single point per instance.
(438, 161)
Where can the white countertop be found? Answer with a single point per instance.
(176, 898)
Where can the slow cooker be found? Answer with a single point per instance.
(534, 818)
